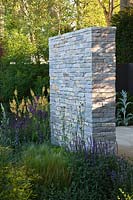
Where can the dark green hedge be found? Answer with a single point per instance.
(124, 36)
(22, 77)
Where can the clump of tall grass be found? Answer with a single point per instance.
(51, 164)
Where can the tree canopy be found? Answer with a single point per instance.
(29, 23)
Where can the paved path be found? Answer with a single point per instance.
(124, 137)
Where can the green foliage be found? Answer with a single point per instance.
(34, 21)
(125, 196)
(124, 117)
(86, 14)
(29, 24)
(95, 177)
(5, 156)
(14, 184)
(49, 167)
(51, 164)
(73, 175)
(124, 37)
(51, 173)
(100, 177)
(22, 77)
(17, 47)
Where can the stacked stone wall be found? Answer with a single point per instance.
(82, 84)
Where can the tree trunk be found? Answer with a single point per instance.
(77, 4)
(108, 11)
(107, 19)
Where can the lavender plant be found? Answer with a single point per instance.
(123, 117)
(100, 176)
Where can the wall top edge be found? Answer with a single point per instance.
(90, 29)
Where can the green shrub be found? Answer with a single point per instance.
(14, 184)
(100, 177)
(22, 77)
(5, 155)
(124, 37)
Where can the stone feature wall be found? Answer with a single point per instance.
(82, 85)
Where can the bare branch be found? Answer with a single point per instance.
(103, 6)
(116, 6)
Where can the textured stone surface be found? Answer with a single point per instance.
(82, 84)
